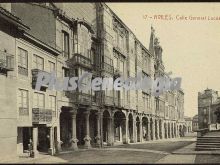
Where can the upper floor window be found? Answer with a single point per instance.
(66, 72)
(52, 104)
(38, 101)
(23, 102)
(22, 62)
(66, 50)
(51, 66)
(82, 41)
(38, 62)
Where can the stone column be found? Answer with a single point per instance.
(170, 132)
(58, 141)
(158, 130)
(148, 131)
(50, 150)
(101, 128)
(175, 133)
(98, 136)
(141, 130)
(126, 130)
(162, 129)
(153, 129)
(134, 140)
(74, 139)
(113, 130)
(110, 131)
(35, 140)
(167, 132)
(87, 137)
(178, 133)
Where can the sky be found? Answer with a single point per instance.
(191, 48)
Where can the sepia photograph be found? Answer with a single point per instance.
(109, 83)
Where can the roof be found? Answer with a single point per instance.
(5, 14)
(9, 14)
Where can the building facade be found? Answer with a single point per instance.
(189, 124)
(71, 39)
(195, 123)
(209, 110)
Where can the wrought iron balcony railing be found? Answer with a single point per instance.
(80, 98)
(34, 76)
(108, 68)
(41, 116)
(6, 61)
(82, 61)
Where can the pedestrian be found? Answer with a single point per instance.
(30, 147)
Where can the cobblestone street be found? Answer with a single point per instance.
(149, 152)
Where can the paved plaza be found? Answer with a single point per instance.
(179, 150)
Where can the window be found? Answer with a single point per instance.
(59, 70)
(23, 102)
(51, 66)
(205, 111)
(38, 62)
(38, 101)
(121, 66)
(66, 44)
(52, 104)
(120, 42)
(83, 41)
(22, 62)
(66, 72)
(93, 56)
(115, 37)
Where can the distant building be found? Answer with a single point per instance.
(195, 123)
(208, 107)
(188, 125)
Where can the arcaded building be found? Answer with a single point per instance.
(71, 39)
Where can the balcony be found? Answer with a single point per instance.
(23, 111)
(108, 68)
(6, 62)
(117, 73)
(41, 116)
(81, 98)
(34, 76)
(81, 60)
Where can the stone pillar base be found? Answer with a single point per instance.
(74, 144)
(110, 144)
(58, 147)
(87, 144)
(98, 145)
(35, 154)
(132, 141)
(98, 142)
(51, 151)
